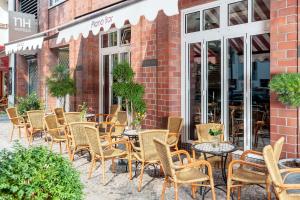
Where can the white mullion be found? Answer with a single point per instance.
(248, 92)
(226, 90)
(204, 79)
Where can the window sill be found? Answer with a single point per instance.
(55, 5)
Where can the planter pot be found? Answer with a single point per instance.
(289, 163)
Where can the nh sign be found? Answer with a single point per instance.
(21, 25)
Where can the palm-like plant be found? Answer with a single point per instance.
(60, 83)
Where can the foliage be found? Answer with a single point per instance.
(37, 173)
(215, 132)
(30, 102)
(83, 109)
(60, 82)
(287, 87)
(125, 87)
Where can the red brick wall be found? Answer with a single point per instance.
(284, 14)
(21, 76)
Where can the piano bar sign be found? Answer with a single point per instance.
(21, 25)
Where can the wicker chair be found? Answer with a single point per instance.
(70, 117)
(146, 153)
(183, 174)
(16, 121)
(79, 139)
(174, 127)
(283, 190)
(108, 119)
(203, 136)
(36, 121)
(55, 131)
(249, 173)
(59, 112)
(107, 153)
(119, 126)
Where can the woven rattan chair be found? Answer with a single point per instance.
(189, 174)
(71, 117)
(16, 121)
(146, 153)
(108, 119)
(59, 112)
(119, 126)
(278, 177)
(249, 173)
(36, 121)
(79, 139)
(203, 136)
(174, 127)
(55, 131)
(107, 153)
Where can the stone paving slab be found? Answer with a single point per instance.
(118, 186)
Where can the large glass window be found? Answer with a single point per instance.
(211, 18)
(126, 36)
(193, 22)
(260, 91)
(238, 13)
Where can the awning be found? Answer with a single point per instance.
(32, 43)
(130, 10)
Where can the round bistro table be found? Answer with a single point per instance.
(209, 150)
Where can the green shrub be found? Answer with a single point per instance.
(37, 173)
(287, 87)
(30, 102)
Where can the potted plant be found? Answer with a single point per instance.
(215, 133)
(37, 173)
(29, 102)
(61, 84)
(83, 110)
(128, 90)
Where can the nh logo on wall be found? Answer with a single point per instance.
(21, 25)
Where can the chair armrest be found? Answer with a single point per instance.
(135, 147)
(180, 152)
(288, 186)
(242, 162)
(247, 152)
(172, 134)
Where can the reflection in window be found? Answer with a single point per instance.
(195, 88)
(104, 40)
(260, 91)
(214, 81)
(211, 18)
(124, 57)
(126, 35)
(193, 22)
(238, 13)
(261, 10)
(113, 39)
(236, 90)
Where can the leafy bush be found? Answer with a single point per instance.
(30, 102)
(287, 87)
(37, 173)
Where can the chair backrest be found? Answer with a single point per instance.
(114, 109)
(277, 148)
(147, 144)
(273, 169)
(175, 124)
(12, 115)
(36, 119)
(122, 118)
(78, 132)
(72, 117)
(203, 131)
(59, 112)
(164, 154)
(93, 138)
(51, 122)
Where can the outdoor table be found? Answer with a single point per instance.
(131, 134)
(90, 117)
(222, 150)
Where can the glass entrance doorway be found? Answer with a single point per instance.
(227, 62)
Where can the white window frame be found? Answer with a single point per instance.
(119, 49)
(53, 3)
(222, 33)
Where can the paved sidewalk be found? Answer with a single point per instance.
(119, 186)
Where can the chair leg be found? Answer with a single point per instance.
(268, 189)
(51, 146)
(228, 189)
(26, 133)
(31, 139)
(193, 191)
(176, 148)
(19, 129)
(60, 150)
(73, 153)
(113, 165)
(141, 176)
(12, 132)
(103, 172)
(92, 167)
(162, 197)
(212, 185)
(239, 192)
(176, 191)
(130, 169)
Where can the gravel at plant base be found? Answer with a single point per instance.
(118, 185)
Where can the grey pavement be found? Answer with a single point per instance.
(119, 186)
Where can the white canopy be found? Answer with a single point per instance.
(132, 13)
(24, 45)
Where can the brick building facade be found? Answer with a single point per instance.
(159, 40)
